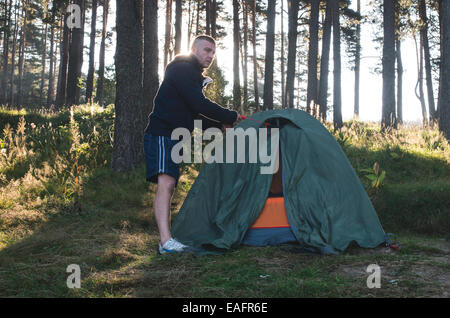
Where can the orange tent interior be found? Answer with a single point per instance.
(273, 213)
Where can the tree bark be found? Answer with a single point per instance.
(208, 17)
(444, 82)
(22, 54)
(419, 84)
(168, 31)
(337, 99)
(324, 63)
(64, 60)
(293, 6)
(91, 70)
(426, 49)
(245, 55)
(13, 54)
(151, 80)
(398, 53)
(282, 59)
(7, 26)
(388, 119)
(101, 66)
(43, 62)
(311, 94)
(197, 25)
(51, 74)
(357, 63)
(178, 22)
(269, 61)
(128, 135)
(214, 18)
(398, 57)
(255, 61)
(189, 24)
(76, 59)
(236, 43)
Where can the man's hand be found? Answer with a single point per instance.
(238, 120)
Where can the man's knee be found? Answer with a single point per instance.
(166, 182)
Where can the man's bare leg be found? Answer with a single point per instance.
(163, 196)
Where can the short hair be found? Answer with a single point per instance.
(205, 37)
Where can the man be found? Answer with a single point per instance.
(178, 103)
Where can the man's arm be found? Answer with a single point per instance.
(208, 123)
(183, 78)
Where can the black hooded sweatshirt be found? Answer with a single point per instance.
(180, 100)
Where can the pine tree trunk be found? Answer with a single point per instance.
(91, 70)
(419, 84)
(51, 74)
(197, 23)
(63, 62)
(282, 62)
(168, 31)
(208, 16)
(151, 80)
(269, 61)
(255, 61)
(22, 55)
(399, 82)
(55, 62)
(43, 62)
(214, 18)
(444, 82)
(13, 54)
(190, 23)
(101, 66)
(76, 59)
(236, 43)
(388, 107)
(293, 6)
(1, 39)
(357, 63)
(299, 92)
(324, 63)
(426, 48)
(337, 99)
(128, 135)
(311, 94)
(7, 26)
(178, 23)
(245, 55)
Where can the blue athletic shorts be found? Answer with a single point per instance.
(158, 159)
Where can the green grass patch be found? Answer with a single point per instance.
(60, 204)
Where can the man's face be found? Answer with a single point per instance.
(205, 52)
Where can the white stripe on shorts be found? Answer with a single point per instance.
(160, 152)
(164, 156)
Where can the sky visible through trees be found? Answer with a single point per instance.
(370, 83)
(371, 55)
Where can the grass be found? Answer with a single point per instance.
(60, 204)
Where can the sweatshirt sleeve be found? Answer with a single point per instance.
(183, 78)
(208, 123)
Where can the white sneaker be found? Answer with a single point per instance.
(172, 246)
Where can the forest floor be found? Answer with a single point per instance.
(104, 223)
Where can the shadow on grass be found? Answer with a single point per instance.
(414, 194)
(111, 233)
(104, 229)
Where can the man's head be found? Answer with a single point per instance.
(204, 49)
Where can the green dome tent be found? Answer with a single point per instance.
(326, 204)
